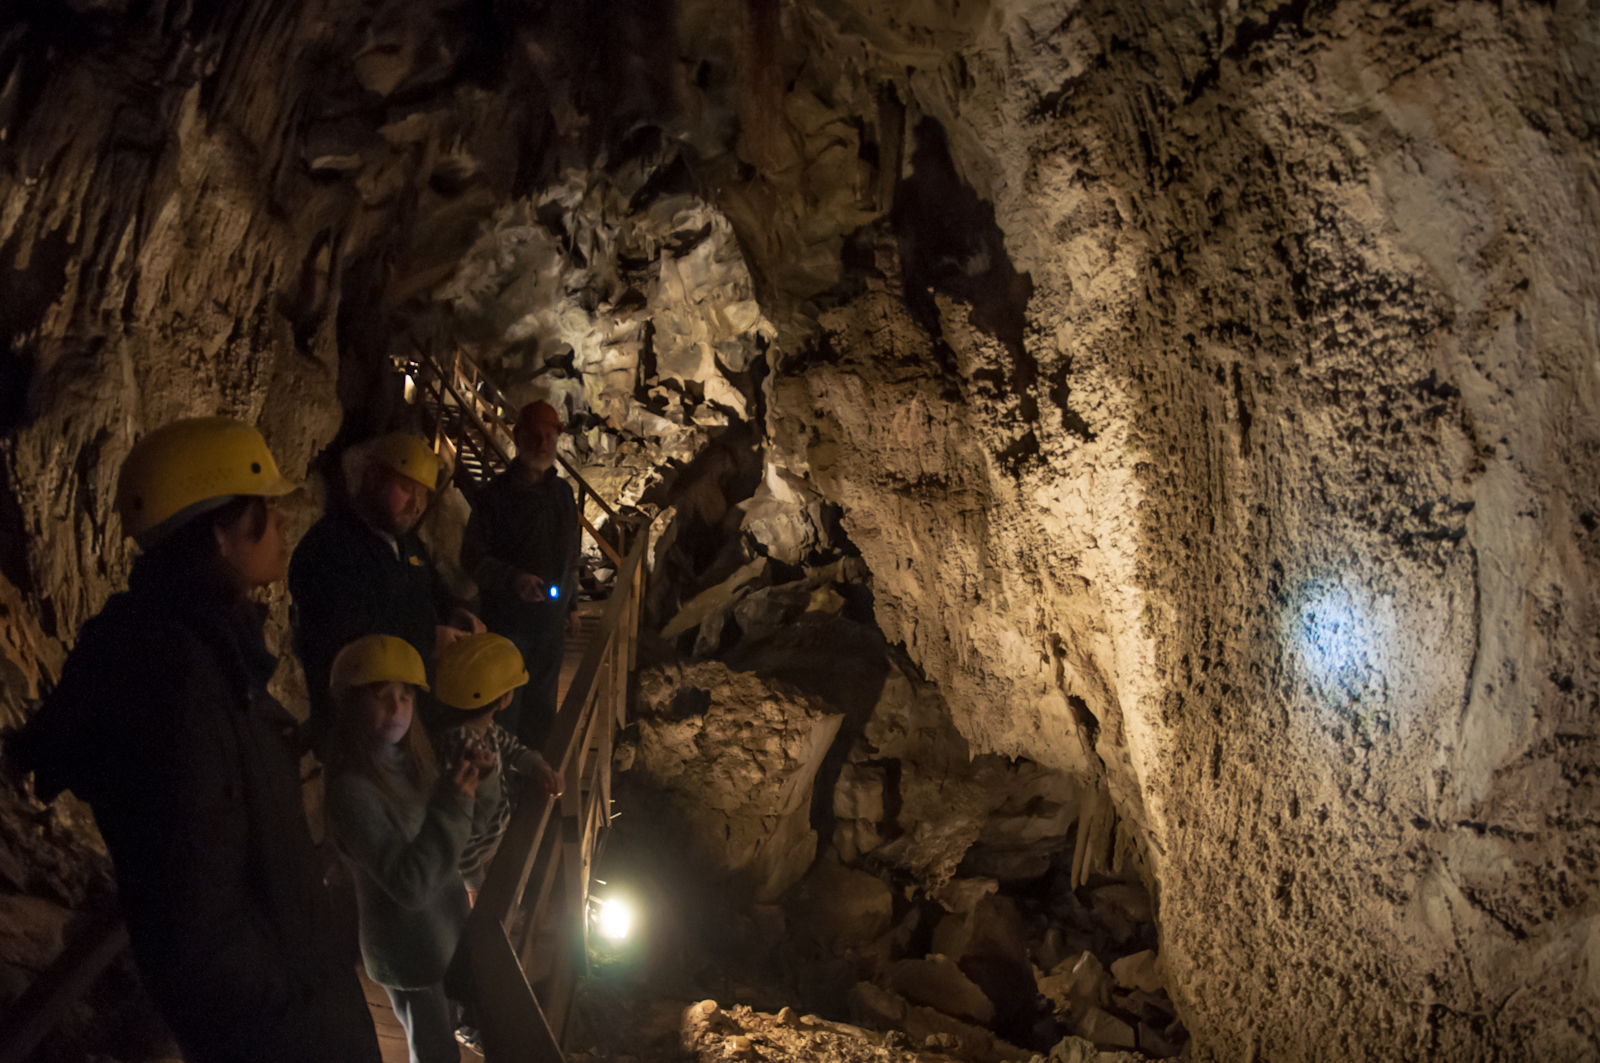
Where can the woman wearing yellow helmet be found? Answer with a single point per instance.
(163, 723)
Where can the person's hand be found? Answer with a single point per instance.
(477, 763)
(574, 625)
(444, 635)
(481, 757)
(462, 617)
(550, 781)
(529, 588)
(464, 780)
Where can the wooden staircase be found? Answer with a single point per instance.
(469, 421)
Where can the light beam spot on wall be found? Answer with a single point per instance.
(1340, 637)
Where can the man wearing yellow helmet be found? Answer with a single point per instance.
(163, 724)
(362, 570)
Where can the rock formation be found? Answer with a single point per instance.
(1207, 391)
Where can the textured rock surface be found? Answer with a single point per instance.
(739, 756)
(1278, 472)
(1209, 389)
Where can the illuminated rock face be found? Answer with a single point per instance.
(1209, 389)
(1292, 485)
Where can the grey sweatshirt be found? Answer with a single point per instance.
(408, 883)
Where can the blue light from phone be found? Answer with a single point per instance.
(555, 592)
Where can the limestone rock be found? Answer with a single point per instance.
(1077, 984)
(843, 907)
(937, 982)
(784, 515)
(702, 1022)
(1105, 1029)
(858, 794)
(737, 757)
(876, 1008)
(1130, 901)
(960, 1038)
(1138, 971)
(1074, 1050)
(992, 928)
(702, 605)
(952, 801)
(31, 931)
(765, 612)
(962, 895)
(1154, 1042)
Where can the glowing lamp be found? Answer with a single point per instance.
(614, 920)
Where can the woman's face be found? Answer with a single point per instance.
(387, 709)
(258, 562)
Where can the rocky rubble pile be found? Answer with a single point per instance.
(871, 864)
(706, 1032)
(54, 876)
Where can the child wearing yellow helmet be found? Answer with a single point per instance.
(477, 675)
(401, 826)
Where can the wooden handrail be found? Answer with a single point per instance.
(48, 997)
(516, 1024)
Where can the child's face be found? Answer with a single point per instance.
(387, 709)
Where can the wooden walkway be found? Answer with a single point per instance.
(391, 1036)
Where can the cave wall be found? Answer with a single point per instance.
(1284, 471)
(1207, 387)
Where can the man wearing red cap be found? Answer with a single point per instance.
(521, 545)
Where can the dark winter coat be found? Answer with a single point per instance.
(348, 581)
(518, 525)
(163, 724)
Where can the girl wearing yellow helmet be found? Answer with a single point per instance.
(401, 826)
(163, 724)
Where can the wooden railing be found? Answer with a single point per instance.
(46, 1001)
(527, 938)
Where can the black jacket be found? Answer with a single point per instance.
(522, 526)
(348, 582)
(163, 724)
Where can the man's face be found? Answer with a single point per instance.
(536, 445)
(391, 501)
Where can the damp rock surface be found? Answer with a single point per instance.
(1208, 390)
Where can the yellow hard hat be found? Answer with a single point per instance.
(406, 455)
(187, 467)
(378, 659)
(474, 670)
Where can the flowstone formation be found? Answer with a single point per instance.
(1190, 405)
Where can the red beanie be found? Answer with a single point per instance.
(538, 413)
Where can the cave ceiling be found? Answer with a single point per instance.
(1209, 388)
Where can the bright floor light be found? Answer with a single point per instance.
(614, 920)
